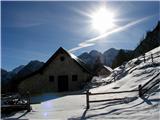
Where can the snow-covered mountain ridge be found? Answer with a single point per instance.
(106, 58)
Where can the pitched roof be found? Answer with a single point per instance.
(60, 50)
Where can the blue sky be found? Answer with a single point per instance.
(35, 30)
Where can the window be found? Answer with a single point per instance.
(51, 78)
(74, 77)
(62, 58)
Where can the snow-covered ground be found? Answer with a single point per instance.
(131, 106)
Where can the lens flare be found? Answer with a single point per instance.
(102, 20)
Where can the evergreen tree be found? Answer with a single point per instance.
(98, 64)
(120, 58)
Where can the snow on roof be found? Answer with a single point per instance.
(76, 59)
(79, 61)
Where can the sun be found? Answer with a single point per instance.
(102, 20)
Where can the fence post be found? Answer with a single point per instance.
(144, 58)
(140, 90)
(152, 57)
(28, 102)
(87, 99)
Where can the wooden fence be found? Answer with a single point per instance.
(16, 102)
(141, 91)
(144, 89)
(93, 101)
(147, 57)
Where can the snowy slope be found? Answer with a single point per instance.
(133, 73)
(128, 77)
(130, 107)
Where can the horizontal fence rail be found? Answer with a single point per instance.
(149, 81)
(112, 92)
(151, 56)
(141, 91)
(104, 100)
(146, 90)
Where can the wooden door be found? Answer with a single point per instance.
(62, 83)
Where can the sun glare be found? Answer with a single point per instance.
(102, 20)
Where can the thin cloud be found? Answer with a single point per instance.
(81, 45)
(91, 42)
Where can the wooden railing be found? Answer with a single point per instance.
(16, 102)
(141, 91)
(147, 57)
(145, 88)
(92, 101)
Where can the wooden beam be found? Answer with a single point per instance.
(105, 100)
(87, 99)
(113, 92)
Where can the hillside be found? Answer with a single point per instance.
(10, 79)
(149, 42)
(30, 68)
(17, 69)
(5, 80)
(128, 77)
